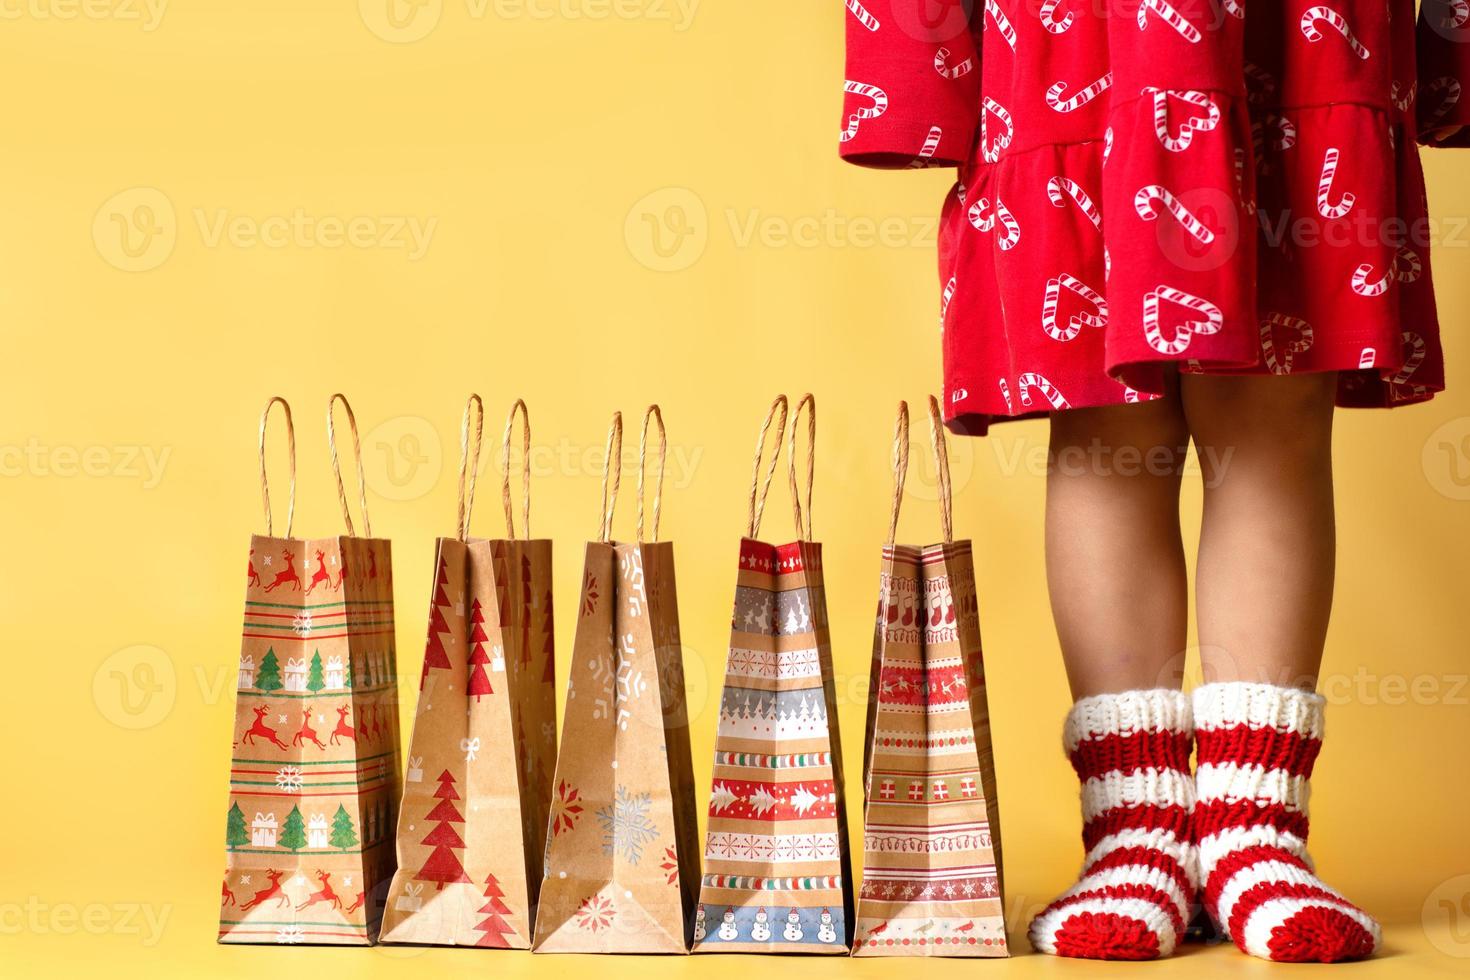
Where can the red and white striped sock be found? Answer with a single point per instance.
(1257, 744)
(1132, 901)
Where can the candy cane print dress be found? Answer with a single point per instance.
(1212, 186)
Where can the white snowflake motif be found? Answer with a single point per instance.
(302, 624)
(290, 935)
(626, 827)
(288, 779)
(244, 879)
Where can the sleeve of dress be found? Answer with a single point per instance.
(1443, 56)
(912, 92)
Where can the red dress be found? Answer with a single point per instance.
(1229, 186)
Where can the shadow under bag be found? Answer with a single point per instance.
(314, 769)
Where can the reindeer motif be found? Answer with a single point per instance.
(254, 578)
(342, 573)
(321, 574)
(368, 730)
(325, 894)
(287, 575)
(227, 897)
(261, 729)
(356, 903)
(343, 730)
(306, 733)
(273, 890)
(372, 564)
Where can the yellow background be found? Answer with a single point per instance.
(533, 143)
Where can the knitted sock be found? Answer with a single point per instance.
(1257, 744)
(1131, 752)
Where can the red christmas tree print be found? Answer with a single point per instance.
(443, 864)
(479, 680)
(434, 653)
(493, 926)
(548, 645)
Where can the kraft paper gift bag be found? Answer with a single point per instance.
(622, 864)
(931, 861)
(777, 874)
(314, 770)
(471, 829)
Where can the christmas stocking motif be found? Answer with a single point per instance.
(1139, 877)
(1257, 744)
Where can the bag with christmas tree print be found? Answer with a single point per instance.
(472, 824)
(622, 863)
(931, 865)
(314, 772)
(777, 876)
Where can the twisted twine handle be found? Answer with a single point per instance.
(510, 421)
(367, 527)
(469, 461)
(757, 491)
(663, 450)
(804, 528)
(265, 488)
(612, 464)
(900, 465)
(941, 466)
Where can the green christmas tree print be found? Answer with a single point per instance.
(343, 835)
(315, 681)
(235, 833)
(293, 834)
(268, 678)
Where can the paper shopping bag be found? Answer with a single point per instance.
(314, 771)
(777, 875)
(622, 864)
(931, 860)
(471, 827)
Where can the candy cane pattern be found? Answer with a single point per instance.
(1416, 351)
(930, 147)
(990, 148)
(982, 222)
(1214, 319)
(1107, 144)
(1338, 22)
(1449, 91)
(879, 106)
(1026, 382)
(1280, 362)
(1412, 265)
(1325, 207)
(1402, 97)
(1364, 285)
(1002, 23)
(1050, 20)
(1247, 199)
(944, 303)
(1076, 321)
(1153, 200)
(1459, 13)
(1059, 189)
(941, 65)
(1005, 392)
(1055, 100)
(1192, 125)
(1235, 9)
(1164, 10)
(861, 13)
(1264, 89)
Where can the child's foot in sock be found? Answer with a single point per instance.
(1257, 744)
(1131, 752)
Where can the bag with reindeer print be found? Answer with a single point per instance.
(314, 771)
(472, 826)
(931, 861)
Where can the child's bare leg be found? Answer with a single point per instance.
(1114, 554)
(1264, 594)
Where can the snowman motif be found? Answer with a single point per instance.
(728, 932)
(792, 933)
(699, 930)
(760, 931)
(826, 932)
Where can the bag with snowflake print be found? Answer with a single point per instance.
(314, 771)
(471, 829)
(777, 877)
(931, 862)
(621, 858)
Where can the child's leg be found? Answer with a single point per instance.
(1115, 565)
(1114, 555)
(1264, 596)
